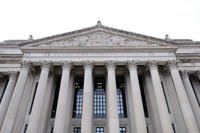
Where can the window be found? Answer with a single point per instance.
(99, 98)
(122, 129)
(121, 98)
(78, 98)
(77, 130)
(99, 130)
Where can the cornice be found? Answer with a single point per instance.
(98, 28)
(96, 49)
(189, 46)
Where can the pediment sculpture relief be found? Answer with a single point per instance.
(98, 38)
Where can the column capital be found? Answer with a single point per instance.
(184, 72)
(12, 75)
(67, 65)
(197, 73)
(25, 64)
(46, 65)
(110, 65)
(132, 64)
(88, 64)
(172, 64)
(152, 64)
(32, 72)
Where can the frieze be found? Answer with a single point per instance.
(98, 38)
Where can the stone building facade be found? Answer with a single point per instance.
(100, 80)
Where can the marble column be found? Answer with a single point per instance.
(7, 95)
(183, 99)
(34, 122)
(112, 105)
(87, 110)
(191, 97)
(160, 99)
(137, 99)
(62, 115)
(13, 107)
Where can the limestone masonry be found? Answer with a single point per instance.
(100, 80)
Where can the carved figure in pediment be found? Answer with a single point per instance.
(117, 40)
(82, 40)
(98, 38)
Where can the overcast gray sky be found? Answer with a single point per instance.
(41, 18)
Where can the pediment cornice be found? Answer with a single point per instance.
(98, 37)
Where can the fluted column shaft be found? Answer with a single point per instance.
(7, 96)
(112, 105)
(160, 99)
(62, 114)
(183, 100)
(13, 107)
(87, 110)
(137, 99)
(191, 97)
(34, 123)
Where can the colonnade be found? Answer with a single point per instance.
(10, 103)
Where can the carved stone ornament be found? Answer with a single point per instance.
(25, 65)
(13, 75)
(67, 65)
(33, 72)
(132, 65)
(88, 64)
(46, 65)
(173, 64)
(152, 65)
(111, 65)
(197, 74)
(98, 38)
(184, 73)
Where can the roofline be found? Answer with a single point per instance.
(96, 27)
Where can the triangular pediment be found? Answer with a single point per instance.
(98, 36)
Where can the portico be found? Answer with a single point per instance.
(100, 80)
